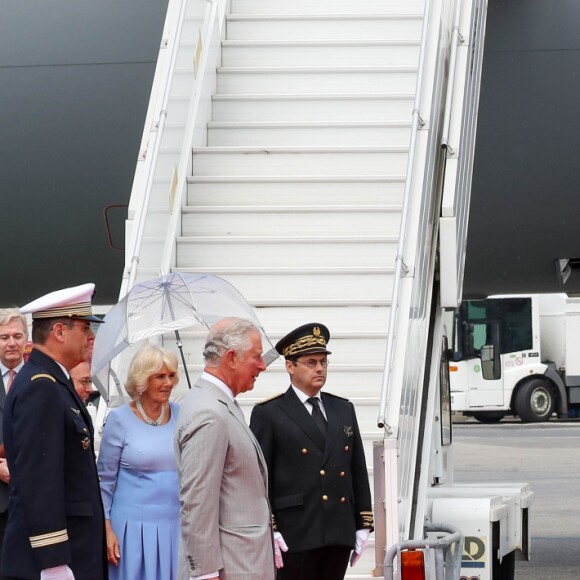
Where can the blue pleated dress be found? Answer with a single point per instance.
(140, 490)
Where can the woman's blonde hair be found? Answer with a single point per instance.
(145, 363)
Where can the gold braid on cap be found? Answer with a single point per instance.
(305, 342)
(81, 309)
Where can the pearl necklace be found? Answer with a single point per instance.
(146, 418)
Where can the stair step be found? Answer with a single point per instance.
(288, 220)
(321, 27)
(314, 190)
(227, 251)
(313, 108)
(246, 161)
(371, 134)
(368, 350)
(308, 80)
(344, 384)
(370, 284)
(359, 383)
(327, 6)
(272, 53)
(304, 191)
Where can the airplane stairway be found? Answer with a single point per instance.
(296, 200)
(295, 185)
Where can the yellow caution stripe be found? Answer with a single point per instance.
(49, 539)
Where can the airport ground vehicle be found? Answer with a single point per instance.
(318, 156)
(534, 370)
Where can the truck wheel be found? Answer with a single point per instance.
(489, 417)
(535, 401)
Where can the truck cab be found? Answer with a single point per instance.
(496, 363)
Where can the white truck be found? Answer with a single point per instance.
(516, 355)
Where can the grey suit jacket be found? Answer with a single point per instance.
(225, 514)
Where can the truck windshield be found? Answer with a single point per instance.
(478, 320)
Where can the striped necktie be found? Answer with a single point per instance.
(11, 375)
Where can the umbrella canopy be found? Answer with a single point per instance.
(166, 304)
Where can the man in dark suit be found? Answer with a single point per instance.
(56, 526)
(318, 482)
(13, 336)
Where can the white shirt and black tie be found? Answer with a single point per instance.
(317, 411)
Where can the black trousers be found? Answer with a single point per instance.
(327, 563)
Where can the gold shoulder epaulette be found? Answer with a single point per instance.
(270, 398)
(43, 376)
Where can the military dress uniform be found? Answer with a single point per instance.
(56, 514)
(318, 486)
(55, 510)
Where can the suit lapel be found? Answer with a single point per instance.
(238, 415)
(296, 410)
(333, 422)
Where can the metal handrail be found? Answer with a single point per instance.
(455, 39)
(210, 16)
(451, 545)
(469, 118)
(154, 153)
(400, 266)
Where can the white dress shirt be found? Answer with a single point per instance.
(304, 400)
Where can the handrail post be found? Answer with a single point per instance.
(451, 544)
(152, 153)
(400, 266)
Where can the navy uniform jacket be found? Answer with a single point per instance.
(319, 492)
(55, 509)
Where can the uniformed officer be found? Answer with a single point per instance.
(55, 525)
(318, 482)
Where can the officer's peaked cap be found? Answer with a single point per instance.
(306, 339)
(69, 302)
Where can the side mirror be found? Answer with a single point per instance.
(490, 363)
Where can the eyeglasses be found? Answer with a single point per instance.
(85, 382)
(313, 363)
(87, 328)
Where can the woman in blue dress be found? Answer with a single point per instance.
(139, 482)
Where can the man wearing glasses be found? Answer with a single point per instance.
(317, 475)
(81, 377)
(56, 528)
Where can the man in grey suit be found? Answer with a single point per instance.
(226, 528)
(13, 337)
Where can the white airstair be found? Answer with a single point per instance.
(276, 156)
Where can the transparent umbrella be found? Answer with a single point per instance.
(162, 305)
